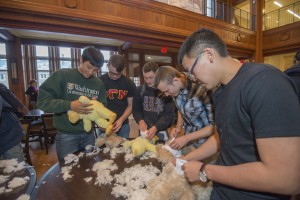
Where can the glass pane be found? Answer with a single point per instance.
(42, 51)
(136, 80)
(133, 56)
(163, 59)
(2, 49)
(4, 78)
(106, 55)
(65, 64)
(104, 68)
(64, 52)
(42, 64)
(3, 64)
(42, 76)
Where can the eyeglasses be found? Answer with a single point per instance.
(117, 75)
(195, 63)
(114, 74)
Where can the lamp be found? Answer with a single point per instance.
(14, 72)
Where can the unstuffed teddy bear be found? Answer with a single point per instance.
(172, 185)
(102, 116)
(139, 145)
(110, 141)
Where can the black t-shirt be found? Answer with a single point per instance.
(117, 92)
(253, 105)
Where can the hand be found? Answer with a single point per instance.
(191, 170)
(179, 142)
(142, 125)
(81, 108)
(117, 126)
(24, 110)
(151, 132)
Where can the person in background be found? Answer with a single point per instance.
(294, 72)
(257, 116)
(11, 132)
(119, 94)
(60, 93)
(153, 112)
(193, 104)
(32, 92)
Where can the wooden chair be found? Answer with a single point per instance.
(26, 127)
(36, 133)
(49, 130)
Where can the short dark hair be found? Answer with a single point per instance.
(117, 61)
(93, 55)
(150, 66)
(198, 41)
(167, 74)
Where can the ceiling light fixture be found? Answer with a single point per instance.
(278, 4)
(293, 13)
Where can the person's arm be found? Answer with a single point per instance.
(179, 125)
(277, 172)
(167, 116)
(181, 141)
(12, 100)
(49, 98)
(207, 149)
(127, 112)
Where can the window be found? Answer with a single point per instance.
(65, 57)
(42, 63)
(106, 54)
(134, 68)
(3, 66)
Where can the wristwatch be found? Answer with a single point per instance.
(202, 174)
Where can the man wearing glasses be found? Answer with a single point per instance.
(119, 94)
(257, 119)
(193, 104)
(60, 93)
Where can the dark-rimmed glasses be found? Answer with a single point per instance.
(195, 63)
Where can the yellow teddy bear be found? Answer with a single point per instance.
(102, 116)
(139, 145)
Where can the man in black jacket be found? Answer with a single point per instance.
(153, 112)
(11, 132)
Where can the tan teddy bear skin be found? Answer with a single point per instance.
(102, 116)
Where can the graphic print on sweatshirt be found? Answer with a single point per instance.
(153, 104)
(76, 89)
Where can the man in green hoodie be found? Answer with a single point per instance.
(60, 93)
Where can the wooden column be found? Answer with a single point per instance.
(257, 8)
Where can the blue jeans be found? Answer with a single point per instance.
(14, 152)
(123, 132)
(67, 142)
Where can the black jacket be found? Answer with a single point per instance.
(155, 109)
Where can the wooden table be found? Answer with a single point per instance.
(34, 113)
(24, 189)
(52, 186)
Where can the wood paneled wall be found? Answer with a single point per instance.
(139, 21)
(282, 39)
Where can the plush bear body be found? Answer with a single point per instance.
(102, 116)
(139, 145)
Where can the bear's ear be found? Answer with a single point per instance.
(84, 99)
